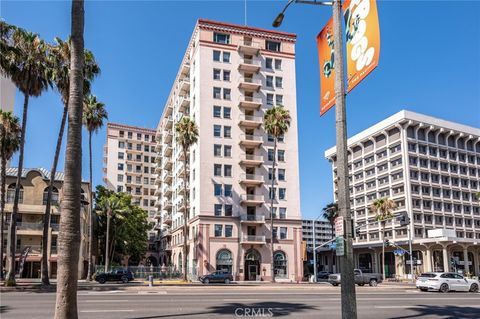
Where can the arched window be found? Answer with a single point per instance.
(53, 199)
(11, 194)
(280, 264)
(224, 260)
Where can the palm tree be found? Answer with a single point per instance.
(187, 135)
(93, 115)
(59, 73)
(110, 207)
(25, 63)
(383, 211)
(330, 212)
(69, 236)
(276, 123)
(9, 144)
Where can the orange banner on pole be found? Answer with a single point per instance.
(362, 36)
(327, 71)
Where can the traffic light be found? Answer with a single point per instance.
(357, 232)
(404, 219)
(386, 242)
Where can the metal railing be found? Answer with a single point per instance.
(250, 80)
(252, 177)
(252, 118)
(252, 62)
(255, 218)
(252, 99)
(252, 197)
(253, 238)
(252, 157)
(251, 137)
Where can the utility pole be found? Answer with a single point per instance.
(314, 253)
(349, 302)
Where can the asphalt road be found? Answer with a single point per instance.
(246, 302)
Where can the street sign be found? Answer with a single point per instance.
(339, 229)
(339, 241)
(399, 252)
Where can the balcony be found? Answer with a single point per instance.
(184, 102)
(252, 219)
(27, 228)
(185, 69)
(250, 65)
(158, 169)
(250, 103)
(248, 47)
(250, 199)
(167, 204)
(167, 136)
(34, 249)
(167, 151)
(251, 140)
(168, 122)
(250, 121)
(167, 190)
(251, 160)
(167, 218)
(168, 247)
(166, 232)
(167, 163)
(253, 239)
(249, 83)
(158, 147)
(167, 177)
(185, 84)
(251, 179)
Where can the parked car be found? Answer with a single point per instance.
(446, 281)
(217, 276)
(361, 278)
(323, 274)
(122, 275)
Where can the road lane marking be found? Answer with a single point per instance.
(105, 300)
(113, 310)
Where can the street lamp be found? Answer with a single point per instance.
(349, 303)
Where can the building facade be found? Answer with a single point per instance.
(323, 234)
(129, 167)
(431, 169)
(29, 233)
(229, 76)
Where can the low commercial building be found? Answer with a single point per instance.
(29, 231)
(431, 169)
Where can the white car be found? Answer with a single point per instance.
(446, 281)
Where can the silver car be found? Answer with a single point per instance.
(446, 281)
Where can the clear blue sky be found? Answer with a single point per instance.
(429, 63)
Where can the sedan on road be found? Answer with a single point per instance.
(217, 276)
(446, 281)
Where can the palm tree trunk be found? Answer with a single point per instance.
(106, 242)
(185, 216)
(69, 237)
(46, 217)
(3, 176)
(272, 195)
(383, 250)
(90, 214)
(13, 220)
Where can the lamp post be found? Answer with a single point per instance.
(349, 303)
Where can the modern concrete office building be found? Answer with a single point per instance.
(32, 201)
(228, 77)
(129, 166)
(323, 234)
(431, 169)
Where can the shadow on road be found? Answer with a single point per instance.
(4, 309)
(258, 309)
(444, 312)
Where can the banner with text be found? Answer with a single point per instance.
(362, 36)
(327, 72)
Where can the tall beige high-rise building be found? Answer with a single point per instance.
(229, 76)
(129, 167)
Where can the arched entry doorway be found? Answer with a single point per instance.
(224, 260)
(151, 261)
(252, 264)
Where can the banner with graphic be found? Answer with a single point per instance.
(327, 71)
(362, 36)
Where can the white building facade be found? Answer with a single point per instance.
(229, 76)
(431, 169)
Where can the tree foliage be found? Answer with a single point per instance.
(129, 226)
